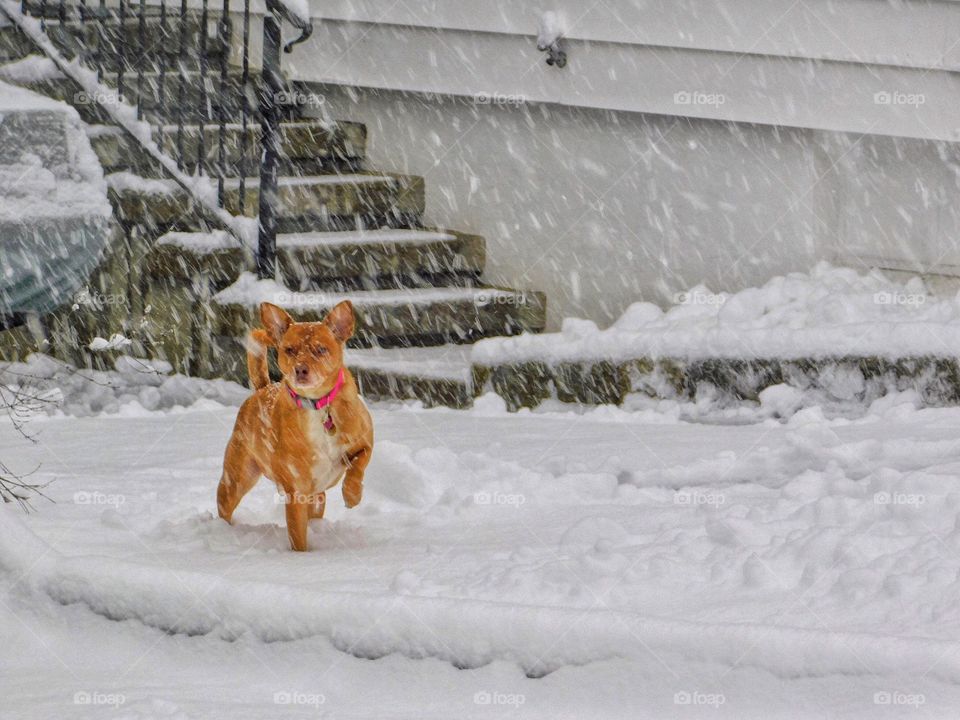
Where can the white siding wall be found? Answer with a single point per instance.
(601, 188)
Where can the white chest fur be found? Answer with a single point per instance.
(328, 465)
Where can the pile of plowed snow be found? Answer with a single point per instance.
(828, 312)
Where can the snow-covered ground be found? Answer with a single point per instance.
(545, 565)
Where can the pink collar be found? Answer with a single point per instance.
(318, 403)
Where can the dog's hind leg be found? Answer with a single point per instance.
(240, 473)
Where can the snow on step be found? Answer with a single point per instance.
(297, 180)
(33, 68)
(199, 242)
(249, 291)
(348, 238)
(125, 180)
(205, 242)
(443, 362)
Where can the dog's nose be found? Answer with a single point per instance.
(302, 372)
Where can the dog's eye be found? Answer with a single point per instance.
(290, 351)
(320, 350)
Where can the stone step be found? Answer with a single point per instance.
(934, 380)
(14, 45)
(440, 375)
(378, 259)
(333, 202)
(333, 261)
(337, 261)
(308, 147)
(387, 318)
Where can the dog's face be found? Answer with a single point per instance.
(309, 354)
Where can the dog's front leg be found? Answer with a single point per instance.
(353, 480)
(295, 483)
(298, 515)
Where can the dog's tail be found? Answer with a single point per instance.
(257, 343)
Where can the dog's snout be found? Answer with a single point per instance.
(302, 372)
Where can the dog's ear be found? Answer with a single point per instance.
(340, 321)
(275, 320)
(259, 339)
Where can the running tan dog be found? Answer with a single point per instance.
(306, 432)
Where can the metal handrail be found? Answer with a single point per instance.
(274, 89)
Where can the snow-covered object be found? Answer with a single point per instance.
(126, 180)
(828, 312)
(549, 30)
(32, 68)
(300, 9)
(125, 115)
(135, 385)
(47, 166)
(116, 341)
(199, 242)
(54, 212)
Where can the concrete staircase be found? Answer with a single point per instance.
(346, 231)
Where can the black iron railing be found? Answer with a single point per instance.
(174, 74)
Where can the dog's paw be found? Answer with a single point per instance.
(352, 496)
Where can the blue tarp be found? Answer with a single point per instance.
(54, 214)
(43, 264)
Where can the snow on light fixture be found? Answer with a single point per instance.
(549, 35)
